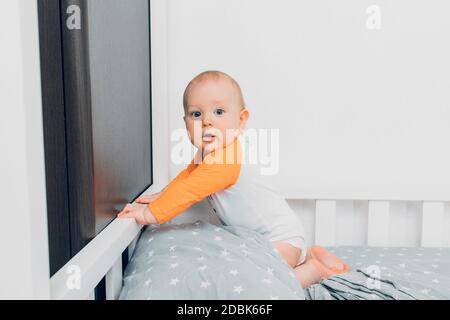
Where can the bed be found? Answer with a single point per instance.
(204, 261)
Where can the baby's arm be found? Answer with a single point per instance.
(140, 211)
(203, 180)
(146, 199)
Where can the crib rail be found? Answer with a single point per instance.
(101, 257)
(384, 223)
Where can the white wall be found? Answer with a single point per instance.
(23, 228)
(363, 113)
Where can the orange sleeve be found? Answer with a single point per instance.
(192, 186)
(183, 174)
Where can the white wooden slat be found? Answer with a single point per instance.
(113, 280)
(432, 224)
(325, 223)
(91, 264)
(378, 223)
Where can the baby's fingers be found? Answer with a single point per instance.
(127, 208)
(129, 214)
(143, 199)
(146, 199)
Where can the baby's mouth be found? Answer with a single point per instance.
(208, 137)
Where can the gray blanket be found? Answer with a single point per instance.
(203, 261)
(387, 273)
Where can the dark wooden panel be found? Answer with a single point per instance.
(54, 134)
(78, 127)
(97, 143)
(118, 33)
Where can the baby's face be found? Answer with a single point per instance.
(214, 108)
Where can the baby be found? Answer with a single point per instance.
(215, 116)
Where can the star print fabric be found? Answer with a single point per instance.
(202, 261)
(387, 273)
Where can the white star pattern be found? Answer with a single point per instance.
(147, 283)
(217, 238)
(174, 281)
(173, 265)
(150, 239)
(217, 229)
(150, 254)
(425, 291)
(270, 271)
(224, 252)
(234, 272)
(172, 248)
(268, 281)
(238, 289)
(203, 267)
(198, 248)
(205, 284)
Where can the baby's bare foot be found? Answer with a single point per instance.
(328, 259)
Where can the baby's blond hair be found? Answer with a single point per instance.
(213, 75)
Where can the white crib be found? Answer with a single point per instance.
(327, 222)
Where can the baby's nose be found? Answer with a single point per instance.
(206, 121)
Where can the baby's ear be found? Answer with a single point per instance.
(244, 114)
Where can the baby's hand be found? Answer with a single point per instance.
(140, 212)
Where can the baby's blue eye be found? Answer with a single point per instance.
(219, 111)
(196, 114)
